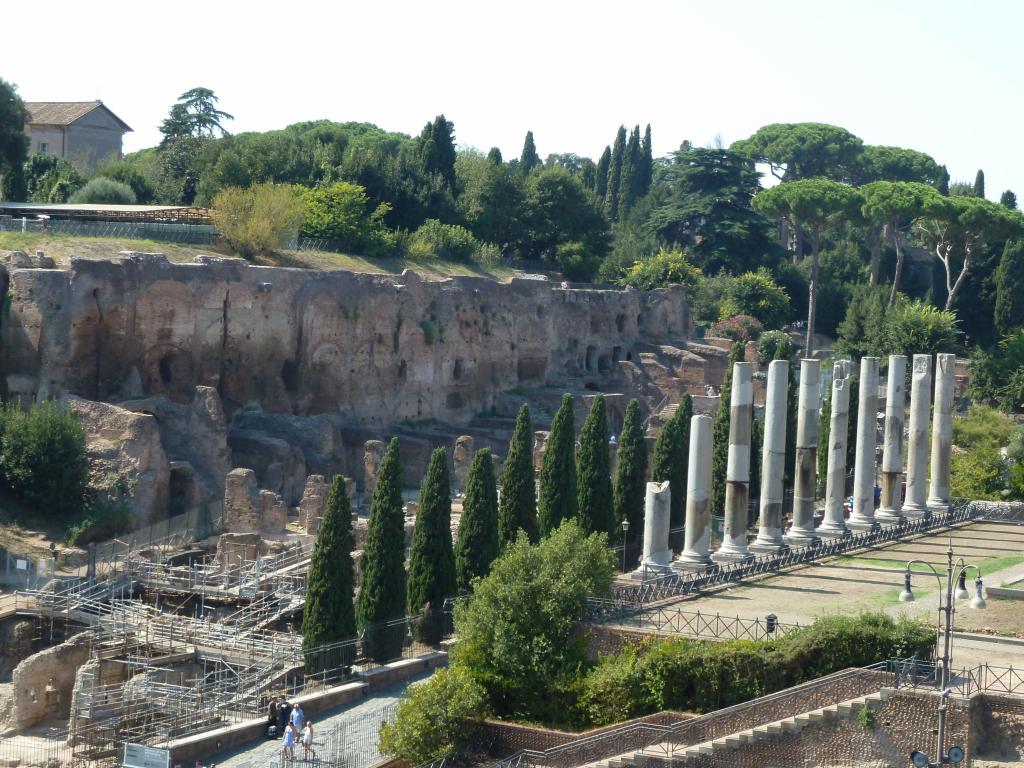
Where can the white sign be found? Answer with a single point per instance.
(140, 756)
(21, 565)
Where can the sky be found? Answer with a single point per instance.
(940, 77)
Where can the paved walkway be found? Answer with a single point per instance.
(355, 727)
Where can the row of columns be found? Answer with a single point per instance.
(922, 496)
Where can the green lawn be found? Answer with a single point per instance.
(62, 247)
(987, 565)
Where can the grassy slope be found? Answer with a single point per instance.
(61, 247)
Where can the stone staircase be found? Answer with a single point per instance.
(670, 752)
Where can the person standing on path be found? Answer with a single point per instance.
(298, 717)
(288, 745)
(284, 712)
(307, 741)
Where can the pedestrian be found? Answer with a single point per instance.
(284, 711)
(272, 713)
(307, 741)
(288, 745)
(298, 717)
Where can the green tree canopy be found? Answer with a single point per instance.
(528, 159)
(518, 510)
(804, 150)
(436, 147)
(341, 211)
(478, 530)
(660, 270)
(432, 561)
(594, 482)
(1010, 288)
(382, 587)
(670, 457)
(1008, 200)
(880, 163)
(557, 500)
(758, 295)
(13, 140)
(560, 211)
(195, 114)
(491, 198)
(979, 183)
(631, 473)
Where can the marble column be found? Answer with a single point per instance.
(863, 516)
(808, 426)
(773, 462)
(737, 473)
(834, 523)
(915, 505)
(657, 557)
(942, 434)
(696, 554)
(892, 442)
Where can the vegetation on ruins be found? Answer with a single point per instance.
(988, 456)
(557, 497)
(720, 448)
(257, 219)
(670, 458)
(593, 480)
(516, 633)
(1009, 305)
(518, 505)
(477, 545)
(432, 561)
(382, 587)
(631, 474)
(340, 211)
(43, 459)
(328, 615)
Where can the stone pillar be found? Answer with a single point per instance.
(834, 523)
(462, 457)
(657, 510)
(737, 473)
(241, 501)
(773, 462)
(917, 448)
(892, 442)
(313, 503)
(863, 516)
(808, 426)
(373, 454)
(696, 555)
(942, 434)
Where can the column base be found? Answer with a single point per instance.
(863, 524)
(939, 506)
(769, 546)
(732, 556)
(916, 512)
(650, 571)
(833, 530)
(888, 517)
(693, 564)
(801, 538)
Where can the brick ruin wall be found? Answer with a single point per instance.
(375, 349)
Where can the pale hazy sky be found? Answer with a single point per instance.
(942, 77)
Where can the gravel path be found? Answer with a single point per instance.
(350, 731)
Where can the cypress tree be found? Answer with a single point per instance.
(382, 590)
(631, 473)
(558, 471)
(518, 509)
(979, 183)
(611, 200)
(1010, 287)
(824, 434)
(601, 186)
(943, 181)
(329, 614)
(477, 546)
(432, 562)
(629, 179)
(646, 162)
(671, 457)
(851, 425)
(494, 156)
(1008, 200)
(529, 159)
(594, 481)
(756, 449)
(720, 448)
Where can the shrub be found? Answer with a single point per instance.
(257, 219)
(737, 328)
(775, 345)
(758, 295)
(449, 242)
(43, 459)
(436, 718)
(104, 190)
(126, 173)
(999, 374)
(340, 211)
(100, 523)
(662, 269)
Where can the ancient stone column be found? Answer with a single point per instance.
(696, 555)
(808, 427)
(773, 462)
(657, 510)
(892, 441)
(737, 473)
(942, 434)
(917, 447)
(863, 516)
(834, 523)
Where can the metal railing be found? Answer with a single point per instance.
(674, 620)
(196, 234)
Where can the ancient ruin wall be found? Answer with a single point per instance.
(376, 349)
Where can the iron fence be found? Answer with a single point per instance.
(674, 620)
(352, 743)
(172, 232)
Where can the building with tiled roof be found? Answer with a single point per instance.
(83, 132)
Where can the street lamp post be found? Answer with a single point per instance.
(625, 529)
(955, 588)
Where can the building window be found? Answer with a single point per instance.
(44, 147)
